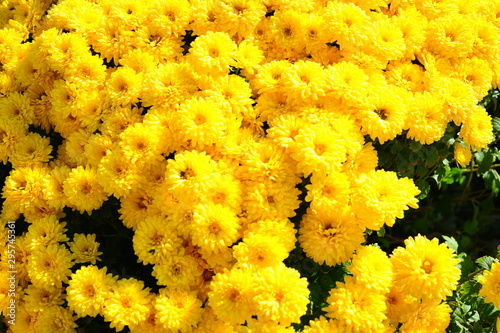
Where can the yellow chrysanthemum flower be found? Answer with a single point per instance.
(212, 54)
(56, 320)
(259, 251)
(428, 316)
(214, 227)
(358, 308)
(332, 190)
(380, 197)
(200, 121)
(231, 296)
(127, 304)
(425, 269)
(88, 290)
(281, 294)
(31, 150)
(83, 190)
(178, 310)
(85, 248)
(323, 325)
(37, 299)
(45, 232)
(372, 268)
(491, 284)
(329, 236)
(477, 131)
(426, 119)
(140, 144)
(177, 271)
(463, 155)
(49, 268)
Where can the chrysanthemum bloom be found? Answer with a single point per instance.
(387, 40)
(259, 251)
(83, 191)
(305, 80)
(140, 144)
(286, 29)
(358, 308)
(169, 16)
(11, 132)
(281, 294)
(17, 106)
(117, 175)
(178, 271)
(234, 90)
(168, 85)
(491, 284)
(267, 164)
(24, 188)
(261, 325)
(385, 117)
(270, 200)
(123, 87)
(239, 17)
(231, 295)
(37, 299)
(462, 154)
(426, 120)
(323, 325)
(26, 321)
(425, 269)
(199, 120)
(405, 75)
(476, 72)
(225, 191)
(212, 54)
(54, 190)
(372, 268)
(49, 268)
(188, 172)
(113, 123)
(248, 57)
(428, 316)
(347, 82)
(214, 227)
(477, 131)
(178, 310)
(88, 290)
(85, 248)
(137, 206)
(127, 304)
(347, 24)
(363, 161)
(379, 197)
(329, 236)
(281, 228)
(155, 240)
(399, 304)
(45, 232)
(269, 76)
(331, 190)
(318, 150)
(56, 320)
(32, 150)
(450, 36)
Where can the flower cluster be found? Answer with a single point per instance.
(201, 117)
(383, 292)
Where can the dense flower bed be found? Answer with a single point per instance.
(202, 117)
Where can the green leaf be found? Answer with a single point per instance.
(485, 164)
(451, 243)
(381, 232)
(432, 157)
(496, 124)
(415, 145)
(492, 181)
(424, 188)
(485, 262)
